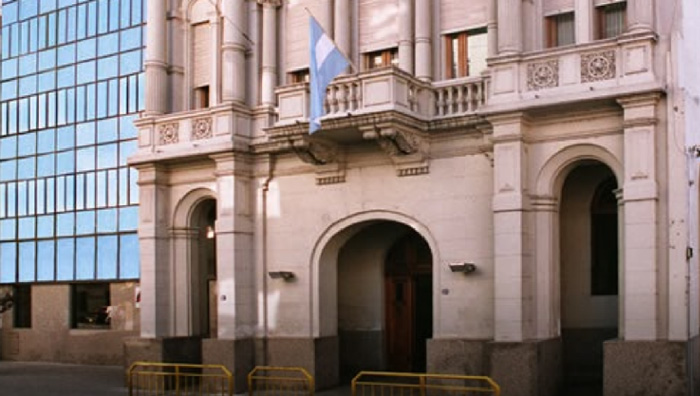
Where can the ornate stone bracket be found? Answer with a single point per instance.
(407, 149)
(325, 156)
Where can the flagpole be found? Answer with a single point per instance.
(352, 65)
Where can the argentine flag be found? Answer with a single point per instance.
(326, 62)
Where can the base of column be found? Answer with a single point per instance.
(238, 356)
(319, 356)
(530, 368)
(458, 356)
(650, 367)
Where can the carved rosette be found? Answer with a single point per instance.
(542, 75)
(201, 128)
(598, 66)
(168, 134)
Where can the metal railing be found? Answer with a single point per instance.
(374, 383)
(269, 381)
(167, 379)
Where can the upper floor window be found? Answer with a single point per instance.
(612, 20)
(465, 53)
(382, 58)
(298, 76)
(201, 63)
(560, 30)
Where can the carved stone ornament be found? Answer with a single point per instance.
(270, 3)
(201, 128)
(393, 142)
(542, 75)
(168, 134)
(597, 66)
(315, 152)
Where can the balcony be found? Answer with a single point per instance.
(590, 71)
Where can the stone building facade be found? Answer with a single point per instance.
(506, 188)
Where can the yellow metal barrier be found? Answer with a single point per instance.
(374, 383)
(271, 381)
(166, 379)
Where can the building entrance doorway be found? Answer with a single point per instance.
(589, 274)
(203, 309)
(385, 298)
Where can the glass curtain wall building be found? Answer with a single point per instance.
(71, 86)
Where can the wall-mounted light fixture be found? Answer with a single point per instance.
(210, 232)
(463, 267)
(285, 275)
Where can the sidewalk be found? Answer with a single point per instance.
(52, 379)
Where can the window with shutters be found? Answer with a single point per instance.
(383, 58)
(201, 63)
(298, 76)
(612, 20)
(560, 30)
(465, 53)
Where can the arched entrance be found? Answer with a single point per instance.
(203, 269)
(589, 273)
(384, 297)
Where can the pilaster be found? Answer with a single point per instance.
(510, 16)
(269, 50)
(342, 24)
(583, 10)
(640, 238)
(406, 35)
(155, 63)
(233, 70)
(424, 47)
(512, 222)
(215, 76)
(640, 15)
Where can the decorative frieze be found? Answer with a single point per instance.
(202, 128)
(168, 134)
(598, 66)
(542, 75)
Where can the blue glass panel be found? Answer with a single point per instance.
(137, 12)
(8, 170)
(86, 159)
(27, 85)
(66, 3)
(65, 224)
(87, 49)
(46, 141)
(8, 259)
(66, 137)
(26, 168)
(130, 62)
(107, 130)
(28, 8)
(107, 67)
(26, 228)
(106, 220)
(126, 14)
(66, 54)
(45, 259)
(8, 147)
(85, 222)
(127, 129)
(85, 264)
(72, 16)
(107, 257)
(113, 15)
(92, 18)
(9, 68)
(107, 156)
(9, 13)
(65, 162)
(27, 64)
(133, 186)
(44, 227)
(47, 81)
(47, 59)
(65, 77)
(65, 257)
(27, 261)
(108, 44)
(125, 150)
(45, 165)
(128, 218)
(47, 5)
(85, 133)
(86, 72)
(103, 15)
(8, 229)
(129, 256)
(9, 90)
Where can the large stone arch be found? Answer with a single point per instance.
(186, 204)
(325, 252)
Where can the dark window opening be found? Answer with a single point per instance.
(91, 306)
(299, 76)
(612, 20)
(22, 307)
(201, 97)
(383, 58)
(604, 240)
(560, 30)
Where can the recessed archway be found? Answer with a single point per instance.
(203, 269)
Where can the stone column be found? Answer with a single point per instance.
(510, 16)
(154, 244)
(342, 24)
(269, 51)
(640, 196)
(406, 35)
(492, 28)
(583, 10)
(512, 223)
(155, 63)
(640, 15)
(233, 70)
(424, 47)
(214, 75)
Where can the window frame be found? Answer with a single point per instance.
(552, 24)
(389, 57)
(83, 313)
(463, 52)
(602, 12)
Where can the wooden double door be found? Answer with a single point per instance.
(408, 304)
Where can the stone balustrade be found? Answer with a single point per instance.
(459, 97)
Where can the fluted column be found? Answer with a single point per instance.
(269, 50)
(424, 48)
(342, 23)
(492, 28)
(510, 15)
(406, 35)
(233, 71)
(215, 76)
(640, 14)
(155, 63)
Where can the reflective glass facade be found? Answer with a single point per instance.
(71, 85)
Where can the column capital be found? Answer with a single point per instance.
(270, 3)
